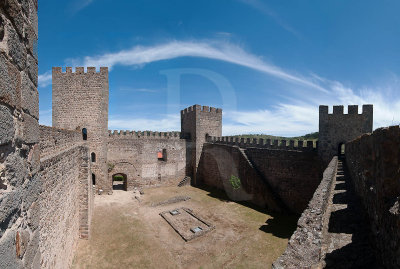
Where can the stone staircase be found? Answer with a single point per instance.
(346, 241)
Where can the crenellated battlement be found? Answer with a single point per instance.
(302, 145)
(80, 70)
(126, 134)
(338, 128)
(199, 108)
(351, 110)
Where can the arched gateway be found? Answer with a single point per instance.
(123, 176)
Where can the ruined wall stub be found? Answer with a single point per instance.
(197, 123)
(338, 128)
(19, 134)
(80, 100)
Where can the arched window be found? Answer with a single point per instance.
(84, 134)
(93, 179)
(93, 157)
(207, 137)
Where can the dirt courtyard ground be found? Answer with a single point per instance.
(128, 233)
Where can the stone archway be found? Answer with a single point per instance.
(120, 181)
(124, 174)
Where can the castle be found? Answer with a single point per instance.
(50, 175)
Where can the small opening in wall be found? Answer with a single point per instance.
(93, 157)
(341, 149)
(120, 182)
(84, 134)
(162, 155)
(207, 137)
(93, 179)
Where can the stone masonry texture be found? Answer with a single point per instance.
(66, 198)
(80, 101)
(198, 123)
(305, 245)
(20, 184)
(134, 154)
(339, 128)
(373, 161)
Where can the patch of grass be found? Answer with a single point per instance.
(118, 178)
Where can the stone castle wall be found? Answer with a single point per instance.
(80, 100)
(373, 161)
(19, 134)
(135, 155)
(291, 176)
(301, 145)
(228, 168)
(66, 199)
(339, 128)
(305, 245)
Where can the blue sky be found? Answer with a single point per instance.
(268, 64)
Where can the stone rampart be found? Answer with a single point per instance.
(54, 140)
(66, 199)
(305, 245)
(293, 175)
(373, 161)
(124, 134)
(301, 145)
(227, 168)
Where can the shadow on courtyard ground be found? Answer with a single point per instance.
(280, 225)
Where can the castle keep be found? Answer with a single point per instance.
(49, 176)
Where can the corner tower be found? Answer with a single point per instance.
(80, 101)
(339, 128)
(197, 123)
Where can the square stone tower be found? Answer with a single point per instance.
(80, 101)
(197, 123)
(339, 128)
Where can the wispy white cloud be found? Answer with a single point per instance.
(211, 49)
(293, 118)
(44, 79)
(301, 116)
(263, 8)
(166, 123)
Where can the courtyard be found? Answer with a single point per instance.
(128, 232)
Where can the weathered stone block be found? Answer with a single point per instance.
(29, 129)
(29, 96)
(16, 170)
(10, 83)
(15, 13)
(8, 253)
(6, 125)
(9, 210)
(32, 69)
(16, 48)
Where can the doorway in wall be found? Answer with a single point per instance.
(120, 182)
(341, 150)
